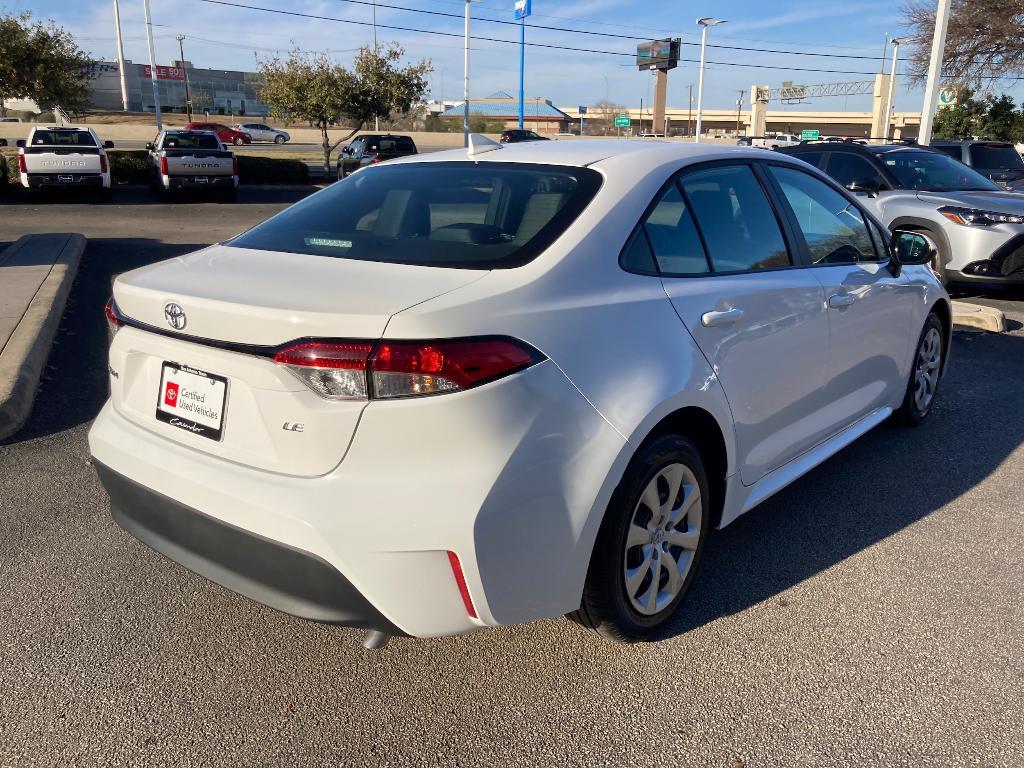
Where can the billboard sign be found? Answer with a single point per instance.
(622, 120)
(658, 54)
(163, 73)
(810, 135)
(523, 8)
(947, 96)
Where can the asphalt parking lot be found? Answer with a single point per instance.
(870, 614)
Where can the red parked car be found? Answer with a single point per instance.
(224, 133)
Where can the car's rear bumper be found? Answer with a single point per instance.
(212, 182)
(269, 572)
(68, 180)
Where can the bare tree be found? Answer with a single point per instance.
(984, 44)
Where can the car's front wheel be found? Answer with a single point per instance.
(925, 373)
(279, 139)
(649, 543)
(238, 141)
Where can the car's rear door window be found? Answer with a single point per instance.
(466, 215)
(737, 223)
(673, 237)
(833, 227)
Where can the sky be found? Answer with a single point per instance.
(853, 34)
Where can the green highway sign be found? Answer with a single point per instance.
(622, 120)
(810, 135)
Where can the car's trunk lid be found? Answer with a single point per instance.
(236, 402)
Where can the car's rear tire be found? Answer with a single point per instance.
(644, 559)
(279, 139)
(238, 141)
(925, 374)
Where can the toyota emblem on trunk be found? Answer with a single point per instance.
(175, 316)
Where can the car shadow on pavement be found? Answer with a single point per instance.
(74, 384)
(888, 480)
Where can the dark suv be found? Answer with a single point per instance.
(515, 135)
(373, 149)
(998, 160)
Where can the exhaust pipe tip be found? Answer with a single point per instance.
(374, 640)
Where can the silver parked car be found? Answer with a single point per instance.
(977, 226)
(263, 132)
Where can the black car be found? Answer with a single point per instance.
(998, 160)
(515, 135)
(372, 149)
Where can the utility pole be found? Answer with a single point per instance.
(120, 56)
(931, 89)
(889, 107)
(739, 110)
(184, 70)
(376, 119)
(152, 67)
(465, 82)
(689, 114)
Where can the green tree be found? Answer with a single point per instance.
(312, 88)
(961, 120)
(41, 62)
(1002, 120)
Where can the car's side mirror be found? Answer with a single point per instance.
(108, 144)
(869, 186)
(20, 143)
(912, 248)
(149, 146)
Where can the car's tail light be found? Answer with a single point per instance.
(234, 165)
(163, 167)
(358, 370)
(460, 582)
(114, 319)
(103, 163)
(22, 168)
(334, 370)
(401, 369)
(375, 160)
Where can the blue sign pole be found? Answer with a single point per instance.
(523, 9)
(522, 67)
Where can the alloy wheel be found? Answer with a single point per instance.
(662, 539)
(926, 371)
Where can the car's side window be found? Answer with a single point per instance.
(814, 158)
(832, 226)
(673, 237)
(846, 168)
(735, 219)
(882, 237)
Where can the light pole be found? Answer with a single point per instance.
(704, 22)
(152, 68)
(890, 111)
(188, 98)
(931, 89)
(120, 56)
(376, 118)
(465, 81)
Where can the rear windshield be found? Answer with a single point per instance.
(190, 141)
(63, 139)
(996, 156)
(463, 215)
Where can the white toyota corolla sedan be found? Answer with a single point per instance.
(491, 385)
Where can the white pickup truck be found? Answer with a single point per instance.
(775, 140)
(192, 160)
(64, 156)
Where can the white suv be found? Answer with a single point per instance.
(476, 388)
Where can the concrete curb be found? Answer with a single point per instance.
(978, 316)
(23, 358)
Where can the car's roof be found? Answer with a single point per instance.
(586, 152)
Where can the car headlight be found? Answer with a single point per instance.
(977, 217)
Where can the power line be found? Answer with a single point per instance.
(549, 46)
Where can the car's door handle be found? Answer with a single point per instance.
(720, 317)
(838, 300)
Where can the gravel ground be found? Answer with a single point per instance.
(871, 614)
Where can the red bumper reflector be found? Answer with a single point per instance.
(460, 580)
